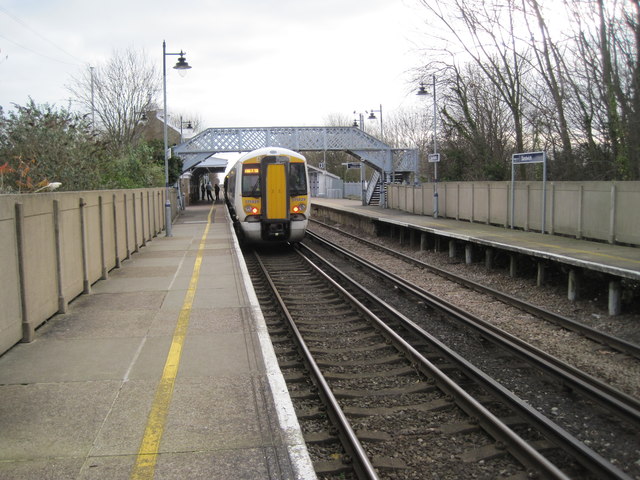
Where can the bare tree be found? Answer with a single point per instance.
(550, 66)
(485, 30)
(478, 126)
(411, 127)
(118, 94)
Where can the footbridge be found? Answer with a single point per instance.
(387, 162)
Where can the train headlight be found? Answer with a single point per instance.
(299, 208)
(251, 209)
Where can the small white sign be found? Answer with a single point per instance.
(434, 157)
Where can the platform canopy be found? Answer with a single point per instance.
(352, 140)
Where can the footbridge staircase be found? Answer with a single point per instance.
(387, 162)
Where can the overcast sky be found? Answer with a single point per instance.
(255, 62)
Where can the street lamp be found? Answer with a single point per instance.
(435, 158)
(355, 120)
(187, 125)
(182, 66)
(372, 116)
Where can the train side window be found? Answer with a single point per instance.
(231, 184)
(297, 179)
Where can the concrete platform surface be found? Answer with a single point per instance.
(164, 371)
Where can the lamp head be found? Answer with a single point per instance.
(372, 116)
(422, 90)
(182, 66)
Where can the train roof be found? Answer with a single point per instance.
(270, 151)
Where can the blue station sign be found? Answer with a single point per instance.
(530, 157)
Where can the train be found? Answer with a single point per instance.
(267, 194)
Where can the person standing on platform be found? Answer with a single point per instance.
(209, 196)
(202, 190)
(217, 190)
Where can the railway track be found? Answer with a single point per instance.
(617, 343)
(403, 409)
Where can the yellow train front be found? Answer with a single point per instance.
(267, 193)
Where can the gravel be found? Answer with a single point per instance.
(619, 370)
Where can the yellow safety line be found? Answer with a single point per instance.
(144, 467)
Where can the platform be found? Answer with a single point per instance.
(164, 371)
(616, 260)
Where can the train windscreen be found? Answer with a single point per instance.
(251, 181)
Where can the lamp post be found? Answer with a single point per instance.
(372, 116)
(363, 191)
(181, 65)
(435, 158)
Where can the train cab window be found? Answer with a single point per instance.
(297, 179)
(251, 181)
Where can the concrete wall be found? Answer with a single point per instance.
(56, 245)
(605, 211)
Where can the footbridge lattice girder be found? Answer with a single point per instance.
(367, 148)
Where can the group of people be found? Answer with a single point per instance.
(209, 189)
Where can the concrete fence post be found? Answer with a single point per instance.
(86, 285)
(115, 232)
(135, 223)
(126, 226)
(488, 222)
(552, 212)
(579, 213)
(62, 302)
(612, 216)
(149, 216)
(153, 204)
(526, 209)
(103, 255)
(473, 203)
(144, 240)
(28, 329)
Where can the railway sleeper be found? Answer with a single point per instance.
(363, 337)
(329, 351)
(359, 376)
(498, 449)
(336, 467)
(435, 405)
(361, 362)
(303, 394)
(295, 377)
(331, 467)
(388, 463)
(345, 328)
(471, 426)
(421, 387)
(325, 436)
